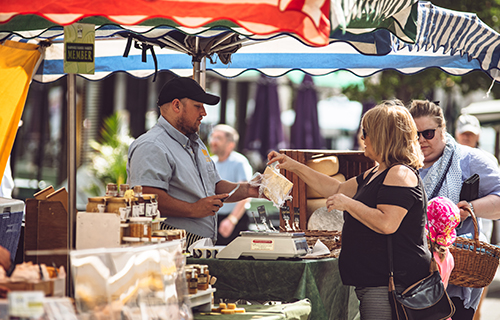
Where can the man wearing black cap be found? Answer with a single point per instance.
(172, 161)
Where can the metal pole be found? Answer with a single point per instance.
(203, 73)
(71, 171)
(196, 71)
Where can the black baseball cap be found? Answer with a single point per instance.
(185, 87)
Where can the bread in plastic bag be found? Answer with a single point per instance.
(275, 186)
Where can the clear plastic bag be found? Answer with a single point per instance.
(273, 185)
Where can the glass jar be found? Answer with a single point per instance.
(137, 191)
(140, 227)
(96, 204)
(203, 277)
(192, 280)
(111, 190)
(148, 205)
(123, 189)
(119, 206)
(137, 207)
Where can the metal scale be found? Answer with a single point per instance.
(268, 245)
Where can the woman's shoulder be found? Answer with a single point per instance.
(401, 175)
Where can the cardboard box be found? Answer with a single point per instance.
(97, 230)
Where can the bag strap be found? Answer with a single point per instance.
(433, 265)
(441, 180)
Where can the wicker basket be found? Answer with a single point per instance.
(476, 262)
(331, 239)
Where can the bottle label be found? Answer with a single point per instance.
(149, 209)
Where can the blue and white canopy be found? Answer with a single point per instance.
(455, 42)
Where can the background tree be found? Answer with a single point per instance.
(392, 84)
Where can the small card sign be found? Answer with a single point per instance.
(26, 304)
(79, 48)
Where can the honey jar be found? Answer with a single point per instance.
(111, 190)
(123, 188)
(148, 205)
(192, 280)
(203, 277)
(119, 206)
(137, 207)
(96, 204)
(140, 227)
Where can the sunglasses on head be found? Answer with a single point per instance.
(427, 134)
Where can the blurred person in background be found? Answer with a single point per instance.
(447, 164)
(234, 167)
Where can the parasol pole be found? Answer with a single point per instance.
(71, 153)
(199, 66)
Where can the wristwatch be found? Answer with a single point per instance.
(233, 219)
(471, 207)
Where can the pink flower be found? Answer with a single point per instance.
(443, 216)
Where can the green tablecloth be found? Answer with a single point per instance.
(287, 281)
(299, 310)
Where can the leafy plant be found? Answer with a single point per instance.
(110, 158)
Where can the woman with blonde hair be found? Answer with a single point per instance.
(385, 200)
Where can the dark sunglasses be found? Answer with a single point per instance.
(427, 134)
(364, 133)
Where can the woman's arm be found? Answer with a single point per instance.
(321, 183)
(384, 219)
(486, 207)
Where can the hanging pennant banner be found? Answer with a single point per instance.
(79, 45)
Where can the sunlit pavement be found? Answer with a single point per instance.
(490, 309)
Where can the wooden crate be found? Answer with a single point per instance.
(46, 228)
(351, 164)
(51, 288)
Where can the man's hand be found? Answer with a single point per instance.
(208, 206)
(226, 227)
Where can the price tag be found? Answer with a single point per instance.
(26, 304)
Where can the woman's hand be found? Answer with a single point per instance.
(338, 202)
(284, 161)
(462, 205)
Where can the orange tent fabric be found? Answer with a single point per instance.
(17, 65)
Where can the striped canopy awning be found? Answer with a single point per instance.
(456, 42)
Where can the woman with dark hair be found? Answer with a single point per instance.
(385, 200)
(446, 165)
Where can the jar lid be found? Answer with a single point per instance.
(140, 219)
(117, 199)
(97, 199)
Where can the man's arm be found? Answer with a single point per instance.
(172, 207)
(244, 191)
(227, 225)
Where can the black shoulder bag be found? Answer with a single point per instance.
(424, 300)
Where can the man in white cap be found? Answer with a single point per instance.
(467, 133)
